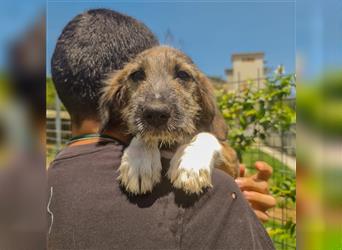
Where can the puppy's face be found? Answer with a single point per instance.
(160, 95)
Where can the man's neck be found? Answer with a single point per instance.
(92, 127)
(85, 127)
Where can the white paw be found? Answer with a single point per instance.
(191, 167)
(140, 167)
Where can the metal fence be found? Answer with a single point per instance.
(278, 150)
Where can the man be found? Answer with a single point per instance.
(88, 209)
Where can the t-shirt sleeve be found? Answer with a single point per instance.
(222, 219)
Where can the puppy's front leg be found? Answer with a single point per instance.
(140, 167)
(191, 167)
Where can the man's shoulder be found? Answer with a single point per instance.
(225, 211)
(220, 197)
(77, 161)
(227, 193)
(91, 151)
(223, 182)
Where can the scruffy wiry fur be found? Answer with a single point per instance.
(164, 78)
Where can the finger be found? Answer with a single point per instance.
(249, 184)
(264, 170)
(261, 215)
(242, 169)
(259, 200)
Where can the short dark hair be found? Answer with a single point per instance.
(92, 45)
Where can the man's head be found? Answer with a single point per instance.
(91, 45)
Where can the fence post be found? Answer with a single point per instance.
(58, 123)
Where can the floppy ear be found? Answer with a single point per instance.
(219, 127)
(112, 99)
(211, 117)
(206, 100)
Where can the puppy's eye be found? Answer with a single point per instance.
(138, 75)
(183, 75)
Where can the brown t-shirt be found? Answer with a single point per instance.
(91, 211)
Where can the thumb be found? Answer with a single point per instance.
(264, 170)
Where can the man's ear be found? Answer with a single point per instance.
(112, 100)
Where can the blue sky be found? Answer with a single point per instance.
(15, 17)
(209, 32)
(319, 35)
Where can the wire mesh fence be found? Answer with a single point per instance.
(275, 144)
(278, 149)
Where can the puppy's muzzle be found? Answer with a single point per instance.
(156, 116)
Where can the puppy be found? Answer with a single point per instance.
(166, 103)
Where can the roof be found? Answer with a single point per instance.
(252, 54)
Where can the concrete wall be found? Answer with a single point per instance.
(246, 67)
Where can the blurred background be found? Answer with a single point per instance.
(319, 141)
(22, 125)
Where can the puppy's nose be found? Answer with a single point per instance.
(156, 116)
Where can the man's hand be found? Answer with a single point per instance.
(255, 189)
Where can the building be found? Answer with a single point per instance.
(246, 67)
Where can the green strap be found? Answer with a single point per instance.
(87, 136)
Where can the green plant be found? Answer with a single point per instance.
(51, 95)
(251, 111)
(285, 233)
(285, 189)
(320, 105)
